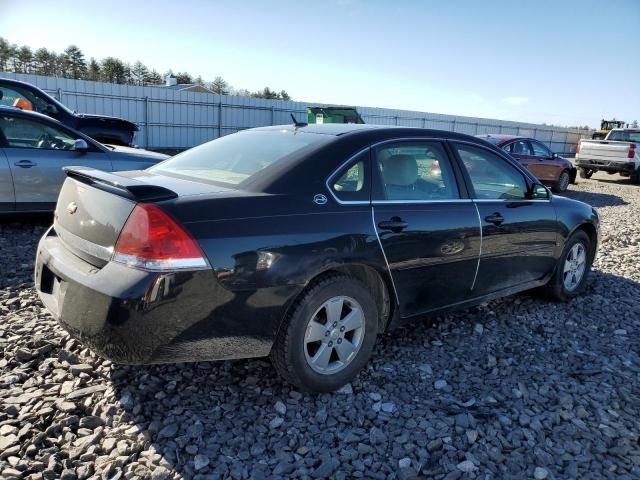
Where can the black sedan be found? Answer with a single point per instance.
(302, 243)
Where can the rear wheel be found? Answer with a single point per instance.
(328, 336)
(585, 172)
(562, 183)
(635, 178)
(572, 269)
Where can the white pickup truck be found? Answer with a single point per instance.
(619, 153)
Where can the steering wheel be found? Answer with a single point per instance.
(44, 141)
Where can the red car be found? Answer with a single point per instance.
(550, 168)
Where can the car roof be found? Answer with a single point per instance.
(10, 81)
(373, 132)
(7, 109)
(325, 129)
(502, 138)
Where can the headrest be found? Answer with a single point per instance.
(400, 170)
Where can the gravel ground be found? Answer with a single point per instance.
(518, 388)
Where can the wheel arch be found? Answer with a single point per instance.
(592, 233)
(379, 283)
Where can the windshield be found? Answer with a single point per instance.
(624, 136)
(235, 158)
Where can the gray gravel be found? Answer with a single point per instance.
(518, 388)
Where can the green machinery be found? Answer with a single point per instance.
(333, 115)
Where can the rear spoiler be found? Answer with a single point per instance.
(119, 185)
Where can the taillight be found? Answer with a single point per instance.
(578, 148)
(152, 240)
(632, 151)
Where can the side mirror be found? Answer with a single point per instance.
(50, 110)
(80, 145)
(554, 155)
(537, 191)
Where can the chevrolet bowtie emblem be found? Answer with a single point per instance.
(72, 208)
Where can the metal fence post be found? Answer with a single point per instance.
(220, 118)
(272, 115)
(453, 125)
(146, 122)
(60, 95)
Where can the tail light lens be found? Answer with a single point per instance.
(152, 240)
(578, 148)
(632, 151)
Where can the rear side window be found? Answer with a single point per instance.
(416, 170)
(353, 182)
(235, 158)
(624, 136)
(492, 176)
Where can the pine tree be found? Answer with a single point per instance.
(76, 66)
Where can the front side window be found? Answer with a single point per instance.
(492, 177)
(417, 170)
(352, 183)
(519, 147)
(235, 158)
(23, 133)
(539, 150)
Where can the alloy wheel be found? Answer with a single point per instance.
(334, 335)
(574, 266)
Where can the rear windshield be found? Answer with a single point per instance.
(624, 136)
(235, 158)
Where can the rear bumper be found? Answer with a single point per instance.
(606, 165)
(132, 316)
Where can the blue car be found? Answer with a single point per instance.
(33, 150)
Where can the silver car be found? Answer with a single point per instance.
(33, 150)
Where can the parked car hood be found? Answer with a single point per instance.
(105, 120)
(118, 152)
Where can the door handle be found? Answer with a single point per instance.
(395, 224)
(495, 218)
(25, 164)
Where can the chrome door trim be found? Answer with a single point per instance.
(421, 202)
(475, 277)
(375, 229)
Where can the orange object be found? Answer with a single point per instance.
(23, 104)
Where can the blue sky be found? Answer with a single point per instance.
(561, 62)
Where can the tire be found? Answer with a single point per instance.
(294, 350)
(562, 183)
(558, 288)
(635, 178)
(585, 173)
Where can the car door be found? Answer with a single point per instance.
(547, 166)
(521, 150)
(7, 196)
(36, 150)
(519, 233)
(427, 226)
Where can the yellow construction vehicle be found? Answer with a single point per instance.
(606, 126)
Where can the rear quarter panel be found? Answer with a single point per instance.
(265, 249)
(572, 215)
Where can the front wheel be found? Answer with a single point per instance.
(585, 172)
(572, 269)
(562, 183)
(328, 336)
